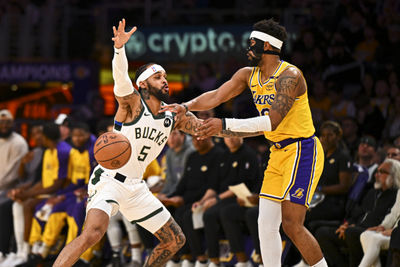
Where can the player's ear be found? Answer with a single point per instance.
(267, 46)
(142, 84)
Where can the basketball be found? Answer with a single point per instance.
(112, 150)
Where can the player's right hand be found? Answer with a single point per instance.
(120, 36)
(178, 109)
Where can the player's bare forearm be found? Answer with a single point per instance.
(228, 133)
(189, 123)
(287, 86)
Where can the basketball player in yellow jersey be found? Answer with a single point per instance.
(296, 162)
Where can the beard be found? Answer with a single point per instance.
(6, 134)
(158, 93)
(253, 62)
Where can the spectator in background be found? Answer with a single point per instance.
(393, 153)
(368, 84)
(180, 147)
(369, 117)
(64, 123)
(366, 154)
(375, 205)
(13, 148)
(366, 49)
(377, 238)
(201, 170)
(382, 97)
(67, 206)
(320, 103)
(350, 135)
(54, 173)
(392, 127)
(30, 173)
(239, 165)
(341, 107)
(336, 178)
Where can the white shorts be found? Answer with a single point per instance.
(132, 197)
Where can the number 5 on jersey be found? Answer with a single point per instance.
(143, 153)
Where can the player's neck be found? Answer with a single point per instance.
(269, 66)
(154, 104)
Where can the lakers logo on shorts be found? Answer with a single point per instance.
(299, 193)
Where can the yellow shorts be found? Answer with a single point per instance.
(293, 171)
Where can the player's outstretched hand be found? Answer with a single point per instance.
(120, 36)
(209, 127)
(180, 110)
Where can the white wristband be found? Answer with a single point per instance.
(250, 125)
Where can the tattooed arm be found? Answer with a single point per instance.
(289, 85)
(190, 124)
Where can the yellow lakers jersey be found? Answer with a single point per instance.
(50, 167)
(297, 122)
(79, 166)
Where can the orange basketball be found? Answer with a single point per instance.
(112, 150)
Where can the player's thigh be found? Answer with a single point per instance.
(143, 208)
(277, 178)
(293, 213)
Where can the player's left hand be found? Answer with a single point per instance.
(209, 127)
(120, 36)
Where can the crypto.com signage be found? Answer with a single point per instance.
(188, 43)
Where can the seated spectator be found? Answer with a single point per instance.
(30, 173)
(200, 172)
(394, 248)
(239, 165)
(54, 173)
(375, 205)
(336, 178)
(180, 147)
(13, 148)
(350, 135)
(237, 219)
(393, 153)
(377, 238)
(67, 206)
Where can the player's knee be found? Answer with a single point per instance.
(291, 227)
(93, 234)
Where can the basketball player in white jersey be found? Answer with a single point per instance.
(123, 189)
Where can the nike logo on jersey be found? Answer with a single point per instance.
(147, 114)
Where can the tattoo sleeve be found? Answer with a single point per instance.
(189, 123)
(286, 87)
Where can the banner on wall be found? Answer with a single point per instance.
(84, 76)
(182, 43)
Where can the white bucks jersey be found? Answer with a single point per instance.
(148, 135)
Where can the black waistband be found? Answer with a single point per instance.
(286, 142)
(120, 177)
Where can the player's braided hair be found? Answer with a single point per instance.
(271, 27)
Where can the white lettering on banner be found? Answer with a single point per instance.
(186, 43)
(152, 42)
(35, 72)
(198, 43)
